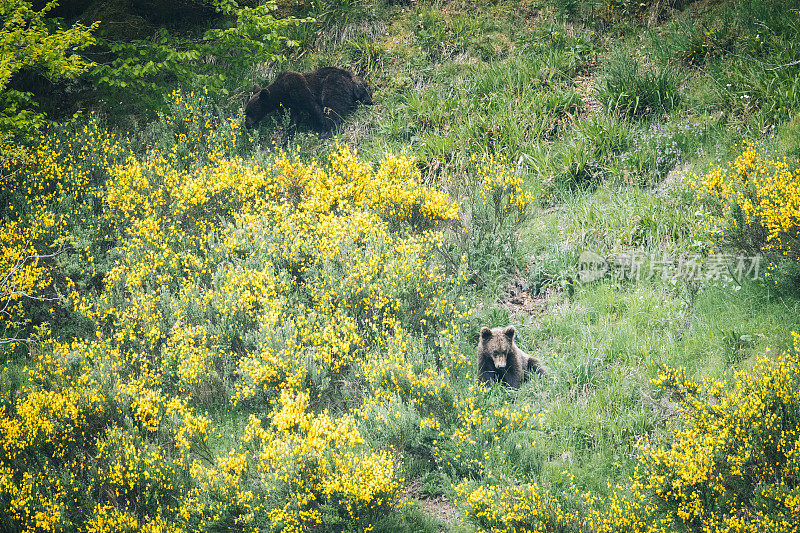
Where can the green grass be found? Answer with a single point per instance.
(628, 88)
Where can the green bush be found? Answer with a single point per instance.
(29, 41)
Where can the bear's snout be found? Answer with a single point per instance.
(499, 360)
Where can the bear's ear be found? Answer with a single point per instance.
(486, 333)
(256, 88)
(510, 332)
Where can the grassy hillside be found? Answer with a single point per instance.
(213, 328)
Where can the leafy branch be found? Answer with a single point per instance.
(27, 42)
(255, 36)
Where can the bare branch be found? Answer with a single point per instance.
(29, 296)
(793, 63)
(23, 259)
(764, 65)
(9, 340)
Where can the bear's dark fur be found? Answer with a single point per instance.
(500, 359)
(325, 95)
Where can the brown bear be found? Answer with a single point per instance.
(500, 359)
(325, 95)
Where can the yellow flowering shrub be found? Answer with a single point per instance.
(49, 187)
(36, 504)
(24, 274)
(193, 130)
(395, 188)
(42, 431)
(499, 508)
(233, 303)
(106, 517)
(318, 467)
(132, 470)
(755, 202)
(735, 452)
(487, 236)
(500, 186)
(484, 433)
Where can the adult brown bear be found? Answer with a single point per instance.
(325, 95)
(500, 359)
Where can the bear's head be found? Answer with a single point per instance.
(258, 106)
(362, 92)
(497, 344)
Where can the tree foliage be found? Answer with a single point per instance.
(248, 35)
(28, 40)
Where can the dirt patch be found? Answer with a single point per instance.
(518, 298)
(585, 87)
(439, 507)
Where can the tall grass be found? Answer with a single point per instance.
(635, 89)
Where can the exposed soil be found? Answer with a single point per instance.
(518, 299)
(439, 508)
(584, 85)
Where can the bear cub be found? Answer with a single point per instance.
(324, 95)
(500, 359)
